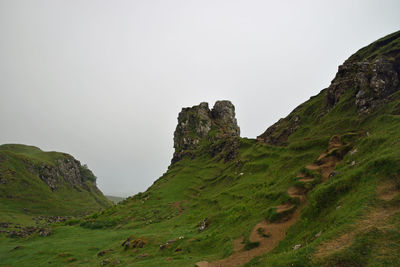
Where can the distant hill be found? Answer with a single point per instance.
(46, 183)
(115, 199)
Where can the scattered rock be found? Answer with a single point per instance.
(334, 173)
(296, 247)
(46, 220)
(203, 225)
(27, 231)
(353, 151)
(163, 246)
(104, 252)
(318, 234)
(353, 163)
(171, 241)
(131, 242)
(44, 231)
(105, 262)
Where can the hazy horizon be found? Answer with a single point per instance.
(104, 81)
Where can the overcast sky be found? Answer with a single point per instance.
(105, 80)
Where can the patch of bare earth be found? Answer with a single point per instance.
(387, 190)
(178, 206)
(275, 232)
(377, 218)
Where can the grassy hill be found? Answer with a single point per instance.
(34, 182)
(318, 188)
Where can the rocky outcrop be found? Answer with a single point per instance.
(49, 175)
(199, 123)
(70, 169)
(366, 80)
(278, 133)
(371, 75)
(371, 82)
(223, 114)
(67, 169)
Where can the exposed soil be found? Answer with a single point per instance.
(284, 207)
(238, 244)
(387, 190)
(307, 180)
(377, 218)
(178, 206)
(276, 232)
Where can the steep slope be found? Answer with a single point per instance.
(34, 182)
(318, 188)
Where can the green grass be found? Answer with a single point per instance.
(236, 195)
(24, 194)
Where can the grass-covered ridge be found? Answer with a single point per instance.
(23, 190)
(332, 187)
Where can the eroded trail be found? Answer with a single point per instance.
(269, 234)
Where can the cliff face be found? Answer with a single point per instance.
(199, 124)
(369, 78)
(67, 170)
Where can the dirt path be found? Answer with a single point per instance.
(270, 234)
(178, 206)
(376, 218)
(275, 231)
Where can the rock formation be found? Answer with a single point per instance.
(199, 124)
(371, 80)
(67, 169)
(368, 79)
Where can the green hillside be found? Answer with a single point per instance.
(34, 182)
(318, 188)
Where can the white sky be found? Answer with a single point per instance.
(105, 80)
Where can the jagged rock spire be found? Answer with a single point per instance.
(199, 123)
